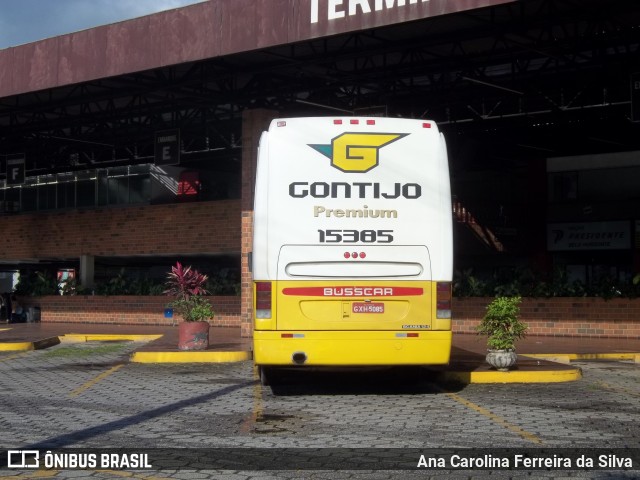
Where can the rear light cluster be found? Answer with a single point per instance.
(353, 121)
(263, 299)
(443, 300)
(355, 255)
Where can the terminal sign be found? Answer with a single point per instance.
(15, 170)
(167, 147)
(342, 8)
(323, 11)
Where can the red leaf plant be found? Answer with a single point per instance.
(187, 286)
(185, 282)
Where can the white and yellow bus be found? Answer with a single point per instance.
(352, 248)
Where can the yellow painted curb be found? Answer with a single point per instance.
(585, 356)
(515, 376)
(559, 358)
(606, 356)
(16, 346)
(545, 356)
(26, 346)
(190, 357)
(107, 337)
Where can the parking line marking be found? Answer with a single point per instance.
(611, 388)
(497, 419)
(257, 396)
(256, 412)
(15, 355)
(43, 473)
(130, 475)
(95, 380)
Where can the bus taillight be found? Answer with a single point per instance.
(263, 299)
(443, 300)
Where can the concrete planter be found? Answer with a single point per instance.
(501, 360)
(193, 336)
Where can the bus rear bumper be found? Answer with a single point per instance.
(351, 348)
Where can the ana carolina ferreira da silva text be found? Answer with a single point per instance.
(526, 461)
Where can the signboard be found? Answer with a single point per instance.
(268, 22)
(326, 17)
(167, 147)
(15, 169)
(588, 236)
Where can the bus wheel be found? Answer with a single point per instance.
(263, 373)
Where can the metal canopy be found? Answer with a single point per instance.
(529, 79)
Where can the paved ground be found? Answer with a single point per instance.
(89, 396)
(467, 363)
(228, 339)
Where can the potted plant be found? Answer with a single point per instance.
(503, 328)
(186, 285)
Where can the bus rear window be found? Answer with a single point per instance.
(356, 270)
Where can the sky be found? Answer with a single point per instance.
(24, 21)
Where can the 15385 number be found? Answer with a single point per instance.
(355, 236)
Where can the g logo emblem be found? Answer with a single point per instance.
(356, 152)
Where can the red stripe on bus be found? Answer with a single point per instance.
(365, 291)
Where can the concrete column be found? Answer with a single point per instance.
(87, 271)
(254, 122)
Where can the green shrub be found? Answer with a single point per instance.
(501, 323)
(36, 284)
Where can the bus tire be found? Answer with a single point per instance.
(263, 374)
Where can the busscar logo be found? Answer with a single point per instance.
(356, 152)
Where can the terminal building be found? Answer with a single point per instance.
(127, 147)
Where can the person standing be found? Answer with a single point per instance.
(8, 306)
(4, 316)
(18, 314)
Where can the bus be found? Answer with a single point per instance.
(352, 257)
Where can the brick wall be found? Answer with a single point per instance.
(586, 317)
(254, 122)
(125, 309)
(201, 227)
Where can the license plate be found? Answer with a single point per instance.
(368, 308)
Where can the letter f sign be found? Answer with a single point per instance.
(15, 171)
